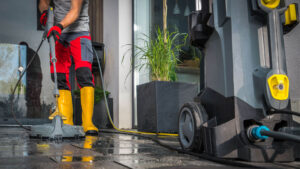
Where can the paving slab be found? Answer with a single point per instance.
(109, 150)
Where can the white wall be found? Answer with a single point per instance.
(117, 34)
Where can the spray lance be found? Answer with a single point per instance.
(56, 129)
(51, 41)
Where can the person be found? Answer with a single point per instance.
(71, 33)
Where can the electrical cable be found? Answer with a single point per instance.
(108, 111)
(281, 135)
(17, 84)
(146, 134)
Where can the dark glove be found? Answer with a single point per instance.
(43, 18)
(55, 31)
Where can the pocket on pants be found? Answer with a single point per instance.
(86, 50)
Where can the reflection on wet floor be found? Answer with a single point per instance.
(109, 150)
(68, 156)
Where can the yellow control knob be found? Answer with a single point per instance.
(279, 86)
(270, 3)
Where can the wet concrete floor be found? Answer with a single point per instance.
(109, 150)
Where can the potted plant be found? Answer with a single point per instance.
(159, 54)
(159, 101)
(100, 117)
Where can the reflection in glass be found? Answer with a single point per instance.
(27, 104)
(176, 9)
(33, 81)
(148, 15)
(12, 57)
(187, 10)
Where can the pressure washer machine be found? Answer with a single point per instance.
(243, 110)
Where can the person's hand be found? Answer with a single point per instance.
(55, 31)
(43, 18)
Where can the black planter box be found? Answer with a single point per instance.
(158, 105)
(100, 117)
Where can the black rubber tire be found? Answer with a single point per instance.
(199, 116)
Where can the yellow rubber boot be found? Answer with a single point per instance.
(87, 105)
(65, 107)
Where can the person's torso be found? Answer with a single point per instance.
(62, 7)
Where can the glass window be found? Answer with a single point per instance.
(178, 12)
(148, 15)
(26, 102)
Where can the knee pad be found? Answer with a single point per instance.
(62, 81)
(84, 77)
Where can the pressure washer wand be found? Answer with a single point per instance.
(50, 23)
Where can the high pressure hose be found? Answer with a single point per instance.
(17, 84)
(257, 132)
(201, 156)
(281, 136)
(128, 132)
(44, 37)
(260, 133)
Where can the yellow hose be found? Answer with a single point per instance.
(108, 112)
(137, 132)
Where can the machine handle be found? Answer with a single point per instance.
(276, 41)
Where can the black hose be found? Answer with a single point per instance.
(281, 135)
(203, 156)
(17, 84)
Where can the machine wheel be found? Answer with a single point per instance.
(191, 118)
